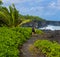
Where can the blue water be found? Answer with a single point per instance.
(50, 27)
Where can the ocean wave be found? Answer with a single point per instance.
(50, 27)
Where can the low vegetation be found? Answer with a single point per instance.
(48, 48)
(12, 35)
(11, 39)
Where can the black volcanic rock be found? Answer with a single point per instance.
(39, 24)
(52, 35)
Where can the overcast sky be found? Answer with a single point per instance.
(47, 9)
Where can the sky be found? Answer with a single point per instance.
(46, 9)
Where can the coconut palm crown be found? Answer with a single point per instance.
(10, 16)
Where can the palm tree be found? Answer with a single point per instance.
(11, 16)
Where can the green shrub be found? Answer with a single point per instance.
(8, 43)
(50, 49)
(39, 31)
(23, 30)
(10, 39)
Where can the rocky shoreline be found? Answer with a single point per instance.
(52, 35)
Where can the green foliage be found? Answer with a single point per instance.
(11, 16)
(24, 30)
(39, 31)
(10, 39)
(32, 17)
(50, 49)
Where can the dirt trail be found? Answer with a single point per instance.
(25, 48)
(53, 36)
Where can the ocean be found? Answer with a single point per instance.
(50, 27)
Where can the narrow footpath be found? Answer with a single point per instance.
(51, 35)
(25, 48)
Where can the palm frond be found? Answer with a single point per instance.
(25, 21)
(5, 17)
(5, 10)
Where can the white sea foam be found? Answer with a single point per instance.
(50, 27)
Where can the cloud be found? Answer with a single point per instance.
(38, 8)
(12, 1)
(54, 4)
(20, 1)
(32, 10)
(58, 4)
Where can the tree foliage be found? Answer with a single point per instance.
(11, 16)
(31, 17)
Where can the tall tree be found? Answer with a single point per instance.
(11, 16)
